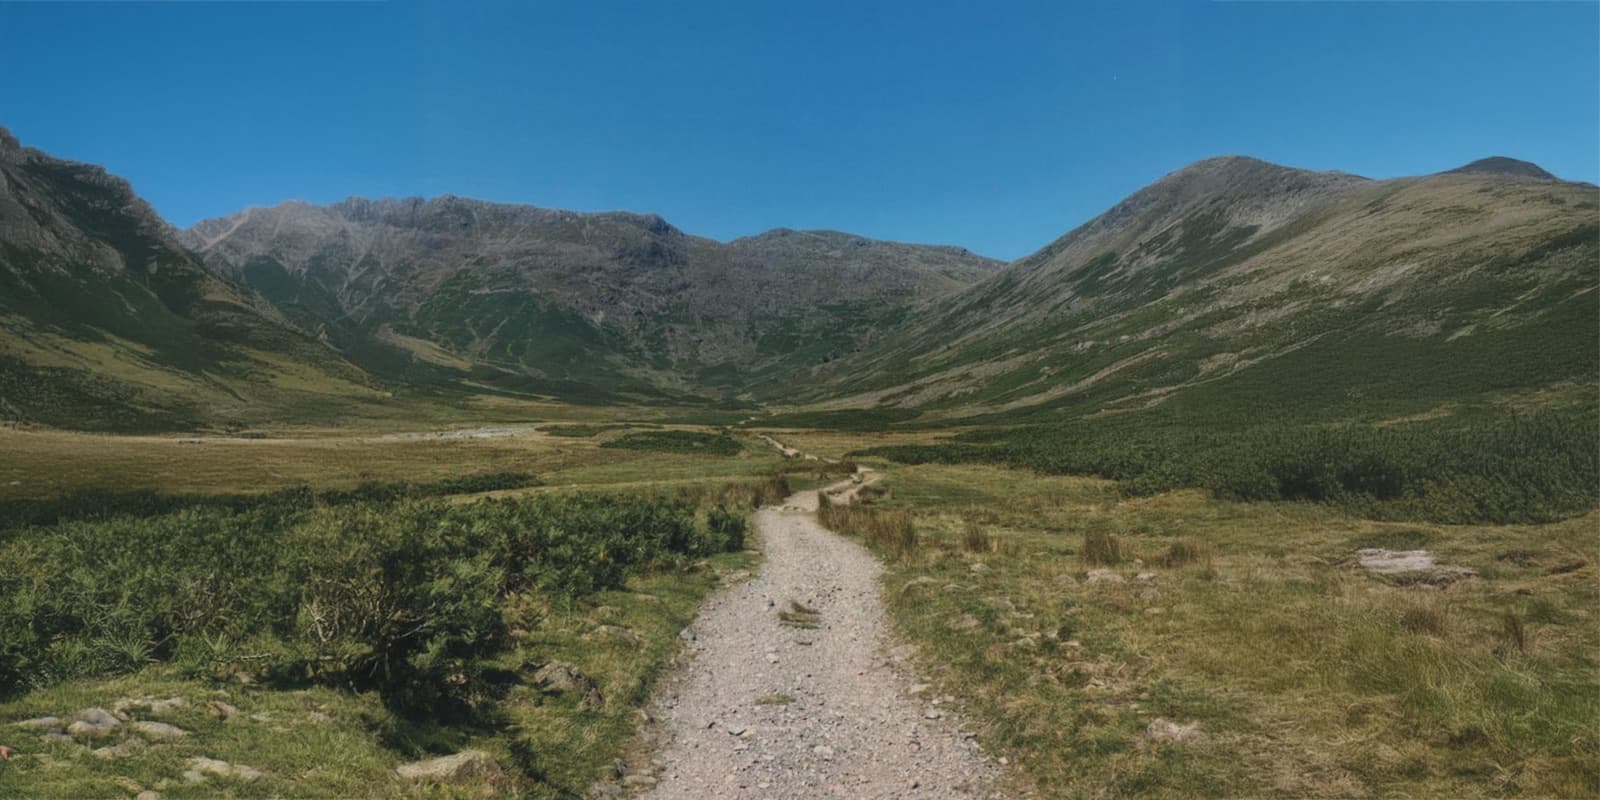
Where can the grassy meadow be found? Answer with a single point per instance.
(1154, 635)
(317, 609)
(1179, 645)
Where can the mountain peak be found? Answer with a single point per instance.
(8, 142)
(1501, 165)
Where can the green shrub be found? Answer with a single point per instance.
(727, 528)
(402, 600)
(678, 442)
(404, 596)
(91, 504)
(1499, 467)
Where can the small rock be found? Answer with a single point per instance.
(462, 767)
(169, 704)
(127, 747)
(1165, 730)
(933, 714)
(978, 568)
(94, 723)
(200, 767)
(824, 751)
(639, 781)
(1145, 577)
(221, 710)
(1411, 567)
(1104, 576)
(147, 795)
(735, 729)
(558, 677)
(160, 730)
(918, 689)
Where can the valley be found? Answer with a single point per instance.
(1263, 482)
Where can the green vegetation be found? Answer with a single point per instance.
(426, 618)
(1237, 649)
(889, 532)
(678, 442)
(93, 504)
(855, 419)
(578, 431)
(1507, 467)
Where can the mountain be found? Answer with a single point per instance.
(1235, 288)
(620, 303)
(1500, 165)
(108, 322)
(1232, 289)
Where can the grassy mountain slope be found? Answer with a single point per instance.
(108, 322)
(1235, 289)
(615, 301)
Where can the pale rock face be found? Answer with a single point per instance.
(461, 767)
(631, 289)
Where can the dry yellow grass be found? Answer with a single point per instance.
(1307, 676)
(46, 463)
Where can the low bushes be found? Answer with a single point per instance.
(105, 503)
(678, 442)
(1502, 467)
(403, 596)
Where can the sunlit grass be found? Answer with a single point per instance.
(1308, 677)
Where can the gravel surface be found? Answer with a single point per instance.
(764, 709)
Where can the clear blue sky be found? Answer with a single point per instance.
(997, 126)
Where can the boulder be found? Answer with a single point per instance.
(559, 677)
(160, 730)
(618, 634)
(467, 765)
(1411, 567)
(127, 747)
(221, 710)
(201, 768)
(94, 723)
(1165, 730)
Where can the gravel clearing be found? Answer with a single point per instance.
(768, 709)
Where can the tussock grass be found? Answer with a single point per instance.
(1425, 614)
(1100, 549)
(889, 532)
(975, 537)
(1303, 672)
(1183, 552)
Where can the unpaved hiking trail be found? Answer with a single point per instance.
(768, 710)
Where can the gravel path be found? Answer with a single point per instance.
(769, 710)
